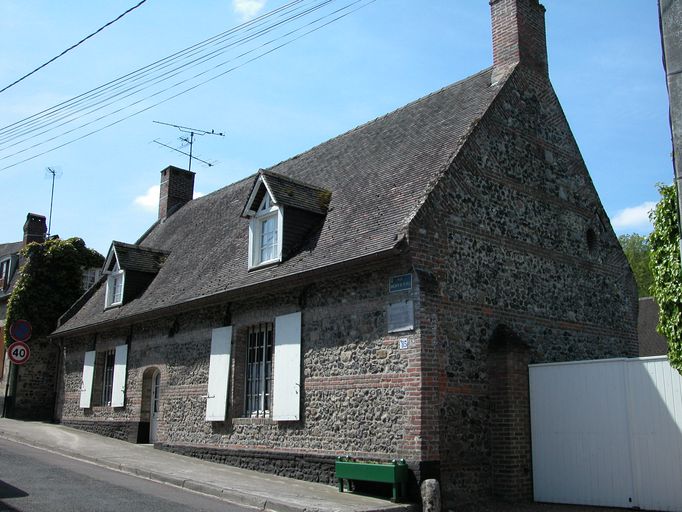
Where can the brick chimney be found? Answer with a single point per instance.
(177, 189)
(518, 36)
(35, 228)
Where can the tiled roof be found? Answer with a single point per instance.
(291, 192)
(378, 174)
(7, 250)
(10, 248)
(137, 258)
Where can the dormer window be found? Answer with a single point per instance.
(265, 234)
(115, 283)
(130, 269)
(272, 198)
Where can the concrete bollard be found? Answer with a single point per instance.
(430, 491)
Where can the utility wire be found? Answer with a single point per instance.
(71, 115)
(72, 47)
(9, 142)
(176, 84)
(134, 75)
(184, 91)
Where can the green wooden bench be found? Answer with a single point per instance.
(394, 473)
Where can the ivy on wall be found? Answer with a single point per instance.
(50, 281)
(664, 242)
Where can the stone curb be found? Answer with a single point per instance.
(232, 496)
(227, 495)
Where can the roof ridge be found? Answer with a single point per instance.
(139, 247)
(437, 177)
(383, 116)
(267, 172)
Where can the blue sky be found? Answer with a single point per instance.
(604, 59)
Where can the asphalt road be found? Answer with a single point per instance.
(33, 480)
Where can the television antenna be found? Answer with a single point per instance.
(54, 173)
(189, 140)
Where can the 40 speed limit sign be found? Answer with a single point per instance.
(18, 352)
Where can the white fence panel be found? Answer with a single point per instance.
(579, 426)
(656, 430)
(608, 433)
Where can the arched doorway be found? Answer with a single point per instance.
(149, 413)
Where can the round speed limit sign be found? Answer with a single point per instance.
(18, 352)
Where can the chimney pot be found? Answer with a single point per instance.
(177, 189)
(35, 228)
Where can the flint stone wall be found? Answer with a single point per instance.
(359, 389)
(513, 235)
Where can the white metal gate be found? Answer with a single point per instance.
(608, 433)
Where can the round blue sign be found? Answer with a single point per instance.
(20, 330)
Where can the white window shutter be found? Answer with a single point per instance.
(218, 374)
(86, 382)
(118, 388)
(287, 379)
(252, 241)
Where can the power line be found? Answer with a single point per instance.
(348, 7)
(72, 47)
(191, 88)
(68, 112)
(10, 141)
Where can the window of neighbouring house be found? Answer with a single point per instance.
(259, 371)
(4, 274)
(89, 277)
(2, 353)
(265, 234)
(115, 286)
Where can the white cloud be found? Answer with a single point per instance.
(150, 200)
(248, 9)
(634, 218)
(198, 194)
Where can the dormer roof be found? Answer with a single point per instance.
(135, 257)
(287, 191)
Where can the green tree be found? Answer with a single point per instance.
(50, 281)
(665, 265)
(636, 249)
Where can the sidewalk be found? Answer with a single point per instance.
(235, 485)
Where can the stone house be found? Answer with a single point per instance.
(29, 391)
(35, 230)
(379, 295)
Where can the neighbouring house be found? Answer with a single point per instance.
(35, 230)
(651, 343)
(29, 391)
(378, 296)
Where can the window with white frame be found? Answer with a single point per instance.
(265, 234)
(115, 286)
(259, 371)
(270, 357)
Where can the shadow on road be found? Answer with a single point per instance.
(9, 491)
